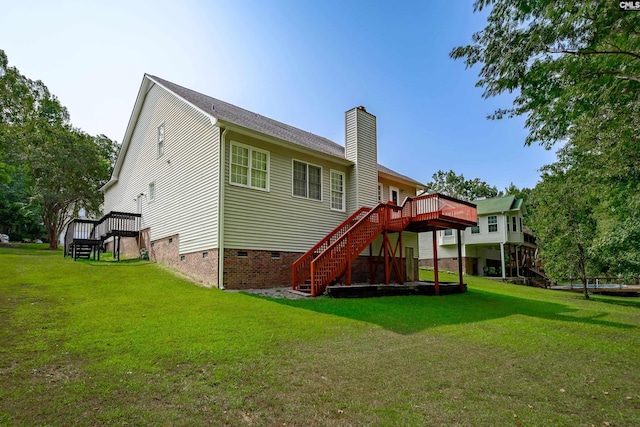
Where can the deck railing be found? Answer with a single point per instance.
(118, 223)
(330, 264)
(328, 259)
(301, 269)
(441, 206)
(111, 224)
(79, 229)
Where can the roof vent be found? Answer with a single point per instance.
(213, 107)
(361, 108)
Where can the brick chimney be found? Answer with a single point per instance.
(361, 147)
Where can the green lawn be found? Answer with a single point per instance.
(105, 343)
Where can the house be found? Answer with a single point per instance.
(233, 199)
(499, 245)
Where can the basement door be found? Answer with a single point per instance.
(409, 264)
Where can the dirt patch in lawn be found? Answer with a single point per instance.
(284, 293)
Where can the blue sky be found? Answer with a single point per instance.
(302, 62)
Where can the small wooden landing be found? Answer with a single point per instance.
(382, 290)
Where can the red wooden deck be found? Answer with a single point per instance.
(333, 256)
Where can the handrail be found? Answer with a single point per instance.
(118, 222)
(330, 263)
(301, 268)
(79, 228)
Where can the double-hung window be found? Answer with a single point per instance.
(249, 167)
(448, 232)
(475, 229)
(307, 180)
(161, 140)
(337, 191)
(514, 221)
(152, 191)
(492, 220)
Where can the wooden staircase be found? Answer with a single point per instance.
(537, 277)
(84, 249)
(334, 254)
(85, 237)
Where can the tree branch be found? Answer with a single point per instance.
(616, 74)
(595, 52)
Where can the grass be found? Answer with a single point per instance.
(103, 343)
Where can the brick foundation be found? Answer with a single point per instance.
(202, 266)
(128, 247)
(451, 264)
(243, 268)
(248, 269)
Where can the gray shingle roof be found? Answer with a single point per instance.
(239, 116)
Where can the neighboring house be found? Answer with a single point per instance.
(499, 245)
(233, 198)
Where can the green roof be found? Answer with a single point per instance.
(498, 204)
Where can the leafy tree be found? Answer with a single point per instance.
(457, 186)
(48, 169)
(20, 214)
(565, 223)
(68, 170)
(575, 70)
(608, 153)
(524, 194)
(562, 58)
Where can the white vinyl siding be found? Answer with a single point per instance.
(278, 221)
(249, 167)
(361, 148)
(185, 177)
(307, 180)
(337, 191)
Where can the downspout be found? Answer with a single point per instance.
(221, 182)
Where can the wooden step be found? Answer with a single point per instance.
(82, 251)
(304, 287)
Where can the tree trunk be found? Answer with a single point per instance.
(51, 225)
(53, 237)
(584, 287)
(583, 271)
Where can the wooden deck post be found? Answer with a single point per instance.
(387, 268)
(347, 279)
(435, 261)
(460, 261)
(371, 266)
(401, 272)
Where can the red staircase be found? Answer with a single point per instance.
(333, 255)
(302, 266)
